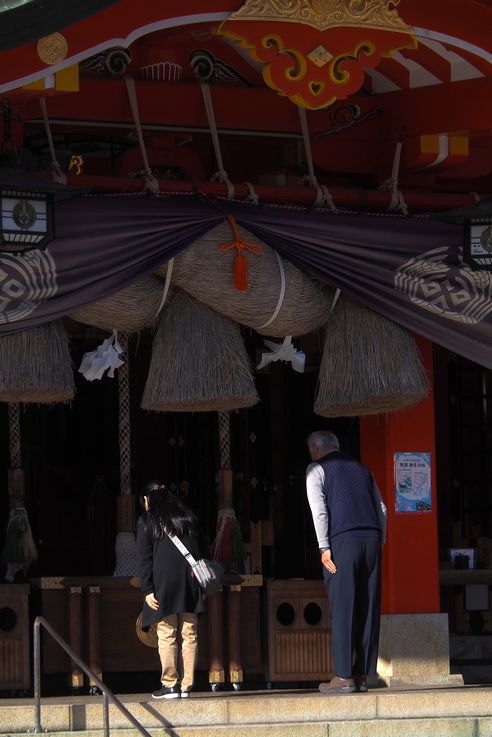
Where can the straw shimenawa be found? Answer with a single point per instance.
(128, 310)
(199, 361)
(370, 365)
(35, 366)
(207, 274)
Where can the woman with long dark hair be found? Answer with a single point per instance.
(172, 596)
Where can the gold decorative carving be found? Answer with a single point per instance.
(236, 676)
(323, 14)
(77, 680)
(216, 676)
(320, 56)
(53, 48)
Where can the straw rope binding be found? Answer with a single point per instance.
(129, 310)
(274, 284)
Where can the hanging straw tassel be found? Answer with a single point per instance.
(370, 365)
(199, 362)
(36, 366)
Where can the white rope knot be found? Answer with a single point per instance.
(324, 198)
(57, 174)
(253, 196)
(221, 176)
(151, 182)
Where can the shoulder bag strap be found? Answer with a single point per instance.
(182, 549)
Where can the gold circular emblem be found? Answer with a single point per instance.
(52, 48)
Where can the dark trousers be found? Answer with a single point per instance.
(354, 592)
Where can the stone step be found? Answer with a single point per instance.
(463, 711)
(438, 727)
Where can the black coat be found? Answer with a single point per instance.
(164, 571)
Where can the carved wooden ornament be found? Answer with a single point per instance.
(317, 51)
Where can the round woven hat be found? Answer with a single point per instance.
(148, 637)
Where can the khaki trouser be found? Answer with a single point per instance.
(177, 636)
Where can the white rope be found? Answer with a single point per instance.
(323, 197)
(281, 295)
(151, 183)
(313, 182)
(57, 174)
(221, 174)
(335, 300)
(167, 283)
(397, 201)
(253, 196)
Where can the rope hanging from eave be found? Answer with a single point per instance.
(56, 172)
(323, 196)
(151, 183)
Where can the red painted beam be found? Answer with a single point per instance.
(358, 199)
(445, 108)
(457, 106)
(103, 101)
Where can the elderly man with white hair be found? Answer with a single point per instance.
(350, 523)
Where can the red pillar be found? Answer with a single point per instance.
(410, 557)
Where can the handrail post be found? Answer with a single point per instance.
(108, 695)
(37, 676)
(105, 714)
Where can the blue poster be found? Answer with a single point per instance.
(413, 482)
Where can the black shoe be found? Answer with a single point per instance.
(167, 692)
(361, 682)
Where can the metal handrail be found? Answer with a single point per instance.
(107, 694)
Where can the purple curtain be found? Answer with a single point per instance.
(407, 269)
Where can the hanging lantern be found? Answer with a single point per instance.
(476, 221)
(26, 219)
(27, 209)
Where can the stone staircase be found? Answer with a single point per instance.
(443, 712)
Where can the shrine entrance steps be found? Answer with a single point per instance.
(443, 712)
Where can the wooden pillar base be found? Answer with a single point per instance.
(233, 634)
(125, 513)
(216, 674)
(94, 633)
(75, 633)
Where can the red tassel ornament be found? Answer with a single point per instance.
(241, 261)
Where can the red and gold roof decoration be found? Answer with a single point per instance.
(325, 14)
(318, 51)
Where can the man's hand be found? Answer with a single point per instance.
(327, 561)
(152, 601)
